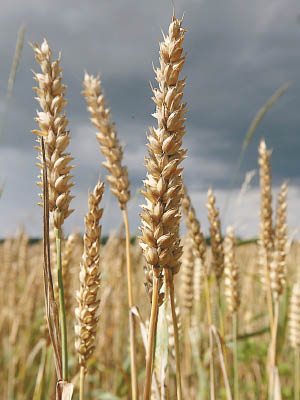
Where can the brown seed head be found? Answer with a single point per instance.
(107, 138)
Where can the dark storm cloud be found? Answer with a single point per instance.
(238, 54)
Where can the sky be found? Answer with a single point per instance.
(238, 54)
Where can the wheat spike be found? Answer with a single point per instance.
(265, 243)
(231, 273)
(107, 138)
(52, 122)
(215, 236)
(89, 276)
(266, 227)
(278, 265)
(163, 185)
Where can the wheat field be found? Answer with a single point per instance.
(175, 313)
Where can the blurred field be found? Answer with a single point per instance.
(27, 370)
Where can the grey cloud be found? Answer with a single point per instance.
(238, 54)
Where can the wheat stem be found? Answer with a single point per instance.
(151, 335)
(81, 385)
(211, 350)
(296, 373)
(132, 328)
(176, 338)
(235, 357)
(62, 308)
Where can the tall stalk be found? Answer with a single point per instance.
(62, 307)
(81, 384)
(211, 344)
(296, 373)
(176, 336)
(132, 326)
(151, 335)
(235, 357)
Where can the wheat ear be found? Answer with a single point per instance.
(278, 266)
(187, 293)
(87, 312)
(52, 122)
(215, 237)
(163, 184)
(52, 128)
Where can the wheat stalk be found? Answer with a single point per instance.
(119, 185)
(52, 129)
(163, 185)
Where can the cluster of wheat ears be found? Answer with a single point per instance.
(194, 316)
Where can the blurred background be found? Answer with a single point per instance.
(238, 55)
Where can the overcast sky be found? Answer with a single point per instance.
(238, 54)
